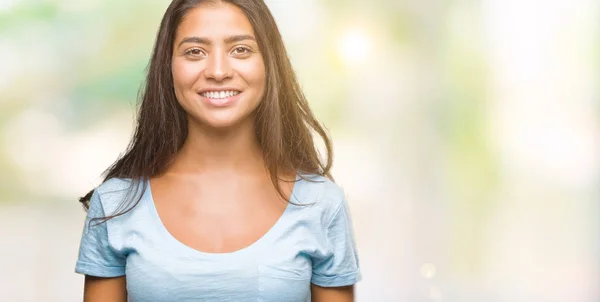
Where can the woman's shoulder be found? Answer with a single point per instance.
(112, 192)
(321, 193)
(114, 185)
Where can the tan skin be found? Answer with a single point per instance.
(199, 198)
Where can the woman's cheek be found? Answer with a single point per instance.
(190, 72)
(253, 70)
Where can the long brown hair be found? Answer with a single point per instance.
(284, 121)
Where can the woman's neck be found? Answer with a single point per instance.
(223, 150)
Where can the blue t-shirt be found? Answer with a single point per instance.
(308, 244)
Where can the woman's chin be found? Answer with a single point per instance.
(221, 122)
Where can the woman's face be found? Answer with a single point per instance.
(218, 70)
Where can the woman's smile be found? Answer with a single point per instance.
(220, 97)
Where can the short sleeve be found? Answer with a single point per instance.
(339, 265)
(96, 257)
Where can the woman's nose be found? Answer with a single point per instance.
(218, 67)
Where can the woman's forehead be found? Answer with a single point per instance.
(214, 22)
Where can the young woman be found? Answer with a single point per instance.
(221, 195)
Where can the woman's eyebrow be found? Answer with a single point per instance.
(239, 38)
(228, 40)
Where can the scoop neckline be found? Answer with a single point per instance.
(184, 248)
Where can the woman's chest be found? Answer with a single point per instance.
(162, 275)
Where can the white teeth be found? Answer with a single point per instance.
(220, 94)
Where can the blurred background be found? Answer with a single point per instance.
(466, 137)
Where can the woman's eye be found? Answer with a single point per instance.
(194, 52)
(241, 50)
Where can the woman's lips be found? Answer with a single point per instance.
(220, 102)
